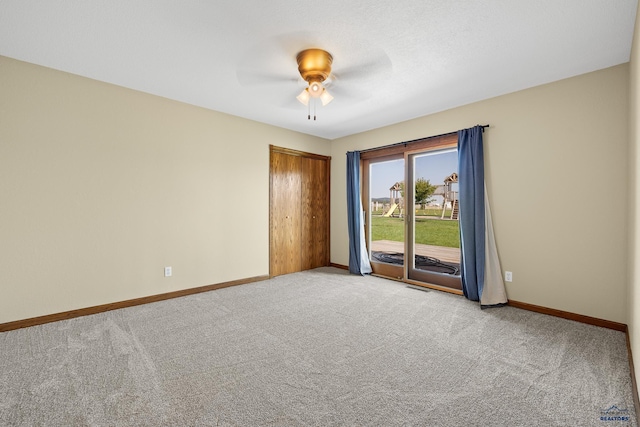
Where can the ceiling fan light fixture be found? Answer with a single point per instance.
(314, 66)
(315, 89)
(325, 97)
(304, 97)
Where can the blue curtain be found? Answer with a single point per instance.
(472, 212)
(358, 257)
(481, 271)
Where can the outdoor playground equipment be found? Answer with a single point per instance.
(448, 195)
(395, 199)
(391, 210)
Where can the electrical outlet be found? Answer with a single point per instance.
(508, 276)
(167, 272)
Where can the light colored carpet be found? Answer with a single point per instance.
(319, 348)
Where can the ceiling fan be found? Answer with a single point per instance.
(314, 66)
(267, 69)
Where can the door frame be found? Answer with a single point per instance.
(391, 271)
(292, 152)
(446, 280)
(394, 152)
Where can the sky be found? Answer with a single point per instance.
(434, 166)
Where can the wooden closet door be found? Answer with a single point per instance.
(285, 213)
(315, 213)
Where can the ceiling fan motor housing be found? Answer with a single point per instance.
(314, 65)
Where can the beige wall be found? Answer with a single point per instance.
(562, 144)
(634, 201)
(101, 187)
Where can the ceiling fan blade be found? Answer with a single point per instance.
(266, 64)
(375, 64)
(377, 68)
(252, 77)
(341, 93)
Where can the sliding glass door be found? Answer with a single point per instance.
(386, 223)
(434, 244)
(412, 230)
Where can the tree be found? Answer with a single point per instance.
(423, 191)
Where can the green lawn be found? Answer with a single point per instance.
(428, 231)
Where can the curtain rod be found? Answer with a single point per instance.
(416, 140)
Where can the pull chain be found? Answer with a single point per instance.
(311, 101)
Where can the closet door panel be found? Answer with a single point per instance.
(285, 211)
(314, 213)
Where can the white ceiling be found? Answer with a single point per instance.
(393, 60)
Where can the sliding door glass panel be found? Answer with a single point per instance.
(434, 243)
(386, 223)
